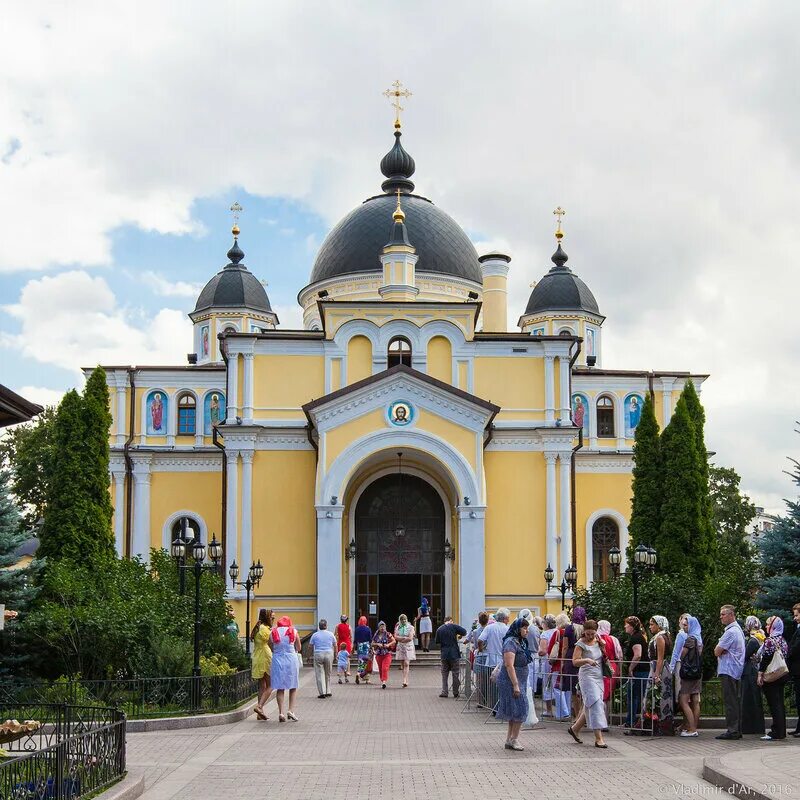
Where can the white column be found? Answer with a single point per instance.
(233, 388)
(119, 511)
(141, 510)
(666, 400)
(330, 554)
(566, 401)
(247, 411)
(172, 419)
(549, 390)
(122, 394)
(231, 518)
(247, 510)
(551, 549)
(619, 421)
(471, 556)
(565, 516)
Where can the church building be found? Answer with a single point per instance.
(405, 442)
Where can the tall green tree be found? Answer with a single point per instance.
(780, 555)
(26, 450)
(645, 524)
(698, 415)
(16, 591)
(681, 544)
(732, 513)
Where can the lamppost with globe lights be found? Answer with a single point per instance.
(180, 552)
(644, 561)
(254, 576)
(567, 582)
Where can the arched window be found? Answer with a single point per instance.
(605, 418)
(565, 332)
(187, 415)
(230, 329)
(399, 352)
(605, 535)
(192, 530)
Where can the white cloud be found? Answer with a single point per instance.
(675, 153)
(166, 288)
(291, 317)
(41, 395)
(72, 320)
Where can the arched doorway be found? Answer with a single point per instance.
(400, 543)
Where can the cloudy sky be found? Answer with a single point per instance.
(669, 131)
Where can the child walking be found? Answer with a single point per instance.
(343, 663)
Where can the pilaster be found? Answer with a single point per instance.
(471, 555)
(141, 509)
(549, 390)
(330, 554)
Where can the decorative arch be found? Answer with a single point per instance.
(169, 522)
(622, 524)
(441, 327)
(149, 418)
(186, 406)
(358, 327)
(454, 465)
(605, 415)
(206, 410)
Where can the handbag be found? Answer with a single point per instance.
(777, 667)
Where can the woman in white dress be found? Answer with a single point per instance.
(404, 653)
(425, 625)
(284, 672)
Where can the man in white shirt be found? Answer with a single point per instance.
(492, 637)
(324, 644)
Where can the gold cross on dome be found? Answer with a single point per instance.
(236, 209)
(559, 212)
(393, 94)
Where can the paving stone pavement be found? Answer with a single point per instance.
(409, 743)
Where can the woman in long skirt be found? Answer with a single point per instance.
(752, 701)
(661, 676)
(363, 645)
(512, 680)
(588, 659)
(284, 673)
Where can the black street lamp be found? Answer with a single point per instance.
(179, 551)
(567, 582)
(644, 561)
(254, 576)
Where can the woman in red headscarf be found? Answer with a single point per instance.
(284, 671)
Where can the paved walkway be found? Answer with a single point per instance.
(409, 743)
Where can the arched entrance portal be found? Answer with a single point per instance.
(400, 537)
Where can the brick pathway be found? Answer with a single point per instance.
(409, 743)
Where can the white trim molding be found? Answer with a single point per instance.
(166, 529)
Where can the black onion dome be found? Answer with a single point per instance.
(234, 286)
(398, 166)
(356, 242)
(561, 290)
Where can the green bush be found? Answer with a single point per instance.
(169, 657)
(215, 665)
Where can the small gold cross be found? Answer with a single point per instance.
(559, 212)
(236, 209)
(396, 91)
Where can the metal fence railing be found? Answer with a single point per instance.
(78, 751)
(634, 701)
(140, 698)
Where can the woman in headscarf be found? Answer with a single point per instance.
(567, 681)
(773, 690)
(284, 673)
(404, 636)
(512, 678)
(262, 659)
(612, 650)
(660, 675)
(637, 670)
(690, 661)
(752, 713)
(344, 634)
(425, 625)
(588, 659)
(533, 636)
(363, 639)
(548, 632)
(382, 643)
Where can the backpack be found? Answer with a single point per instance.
(691, 668)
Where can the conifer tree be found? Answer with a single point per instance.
(682, 543)
(645, 524)
(15, 589)
(697, 413)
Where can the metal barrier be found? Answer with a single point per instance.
(77, 752)
(140, 698)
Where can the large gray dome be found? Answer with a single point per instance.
(356, 242)
(561, 290)
(234, 286)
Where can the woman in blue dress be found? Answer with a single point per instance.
(512, 680)
(284, 671)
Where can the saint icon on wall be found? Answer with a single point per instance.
(400, 413)
(157, 414)
(204, 341)
(590, 334)
(580, 415)
(213, 411)
(633, 413)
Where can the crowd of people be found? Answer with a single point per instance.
(582, 671)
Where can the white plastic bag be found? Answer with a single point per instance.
(532, 719)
